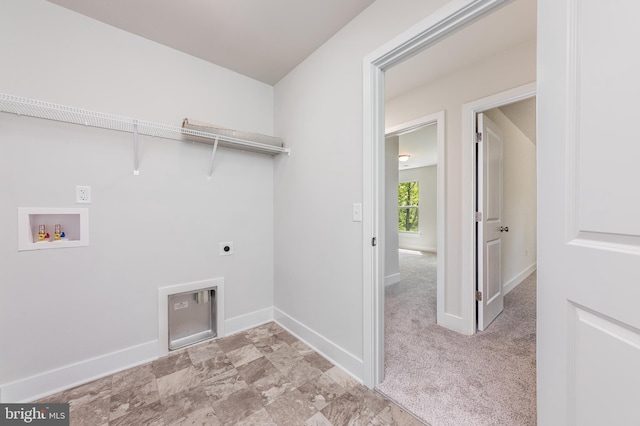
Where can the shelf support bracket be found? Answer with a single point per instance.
(213, 157)
(136, 170)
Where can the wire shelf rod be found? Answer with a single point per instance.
(50, 111)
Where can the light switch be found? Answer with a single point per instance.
(357, 212)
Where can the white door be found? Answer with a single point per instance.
(589, 212)
(490, 227)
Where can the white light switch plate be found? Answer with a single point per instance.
(357, 212)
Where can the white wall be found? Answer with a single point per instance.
(71, 314)
(511, 68)
(519, 202)
(318, 108)
(391, 241)
(426, 237)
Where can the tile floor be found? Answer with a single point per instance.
(263, 376)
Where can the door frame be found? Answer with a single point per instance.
(451, 17)
(439, 120)
(469, 267)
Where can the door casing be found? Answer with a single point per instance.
(450, 18)
(470, 113)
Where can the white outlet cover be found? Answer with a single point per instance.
(83, 194)
(226, 249)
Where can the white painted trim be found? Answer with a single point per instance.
(392, 279)
(338, 356)
(468, 252)
(518, 279)
(69, 376)
(252, 319)
(163, 306)
(442, 318)
(451, 17)
(419, 248)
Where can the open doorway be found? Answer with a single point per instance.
(506, 206)
(476, 75)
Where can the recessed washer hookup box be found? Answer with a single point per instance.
(192, 317)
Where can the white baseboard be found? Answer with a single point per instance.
(69, 376)
(247, 321)
(392, 279)
(340, 357)
(515, 281)
(419, 248)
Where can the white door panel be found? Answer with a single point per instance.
(588, 212)
(489, 237)
(598, 341)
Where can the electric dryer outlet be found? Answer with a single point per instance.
(226, 249)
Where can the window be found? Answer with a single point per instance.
(408, 207)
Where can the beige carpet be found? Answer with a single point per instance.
(449, 379)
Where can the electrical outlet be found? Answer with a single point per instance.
(226, 249)
(83, 195)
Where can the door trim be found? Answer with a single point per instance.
(469, 120)
(439, 120)
(450, 18)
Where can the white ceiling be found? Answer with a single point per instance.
(422, 145)
(266, 39)
(509, 26)
(262, 39)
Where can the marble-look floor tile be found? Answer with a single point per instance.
(203, 351)
(317, 419)
(291, 408)
(340, 377)
(392, 415)
(88, 393)
(284, 359)
(181, 404)
(95, 412)
(302, 349)
(269, 344)
(223, 385)
(259, 418)
(202, 417)
(237, 406)
(244, 355)
(261, 377)
(214, 366)
(302, 372)
(318, 361)
(287, 337)
(271, 387)
(370, 399)
(264, 330)
(256, 370)
(348, 409)
(131, 399)
(234, 342)
(149, 415)
(322, 391)
(179, 381)
(175, 361)
(132, 378)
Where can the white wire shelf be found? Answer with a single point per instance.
(50, 111)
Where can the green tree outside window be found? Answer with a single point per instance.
(408, 207)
